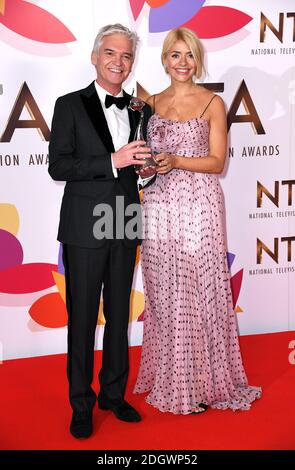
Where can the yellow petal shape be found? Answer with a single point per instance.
(9, 218)
(2, 6)
(136, 305)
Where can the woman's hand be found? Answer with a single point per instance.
(165, 162)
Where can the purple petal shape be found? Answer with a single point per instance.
(173, 14)
(60, 268)
(11, 252)
(230, 259)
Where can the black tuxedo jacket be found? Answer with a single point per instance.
(80, 153)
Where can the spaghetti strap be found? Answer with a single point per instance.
(207, 106)
(154, 103)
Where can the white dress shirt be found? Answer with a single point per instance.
(118, 124)
(117, 120)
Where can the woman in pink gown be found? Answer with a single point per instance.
(190, 354)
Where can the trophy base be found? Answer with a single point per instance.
(147, 169)
(149, 162)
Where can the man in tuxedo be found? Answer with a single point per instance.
(91, 149)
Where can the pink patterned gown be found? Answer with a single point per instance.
(190, 351)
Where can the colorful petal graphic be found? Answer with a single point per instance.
(136, 305)
(11, 252)
(156, 3)
(141, 317)
(137, 256)
(33, 22)
(172, 14)
(61, 268)
(9, 218)
(215, 21)
(236, 282)
(136, 7)
(60, 284)
(230, 259)
(100, 319)
(2, 6)
(49, 311)
(26, 278)
(136, 300)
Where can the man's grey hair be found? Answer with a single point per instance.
(116, 28)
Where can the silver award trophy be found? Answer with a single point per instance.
(136, 104)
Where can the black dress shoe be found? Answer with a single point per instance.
(81, 424)
(122, 410)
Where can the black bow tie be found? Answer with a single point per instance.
(120, 102)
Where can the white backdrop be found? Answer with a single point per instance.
(32, 322)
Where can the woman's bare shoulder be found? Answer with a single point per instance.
(217, 102)
(207, 96)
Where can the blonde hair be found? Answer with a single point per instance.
(193, 43)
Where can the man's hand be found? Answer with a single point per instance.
(131, 154)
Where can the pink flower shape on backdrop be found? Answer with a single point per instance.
(33, 22)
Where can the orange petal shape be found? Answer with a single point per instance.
(238, 309)
(49, 311)
(137, 256)
(101, 319)
(60, 282)
(2, 6)
(156, 3)
(9, 218)
(33, 22)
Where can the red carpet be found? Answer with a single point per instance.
(35, 414)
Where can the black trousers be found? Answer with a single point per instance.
(86, 270)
